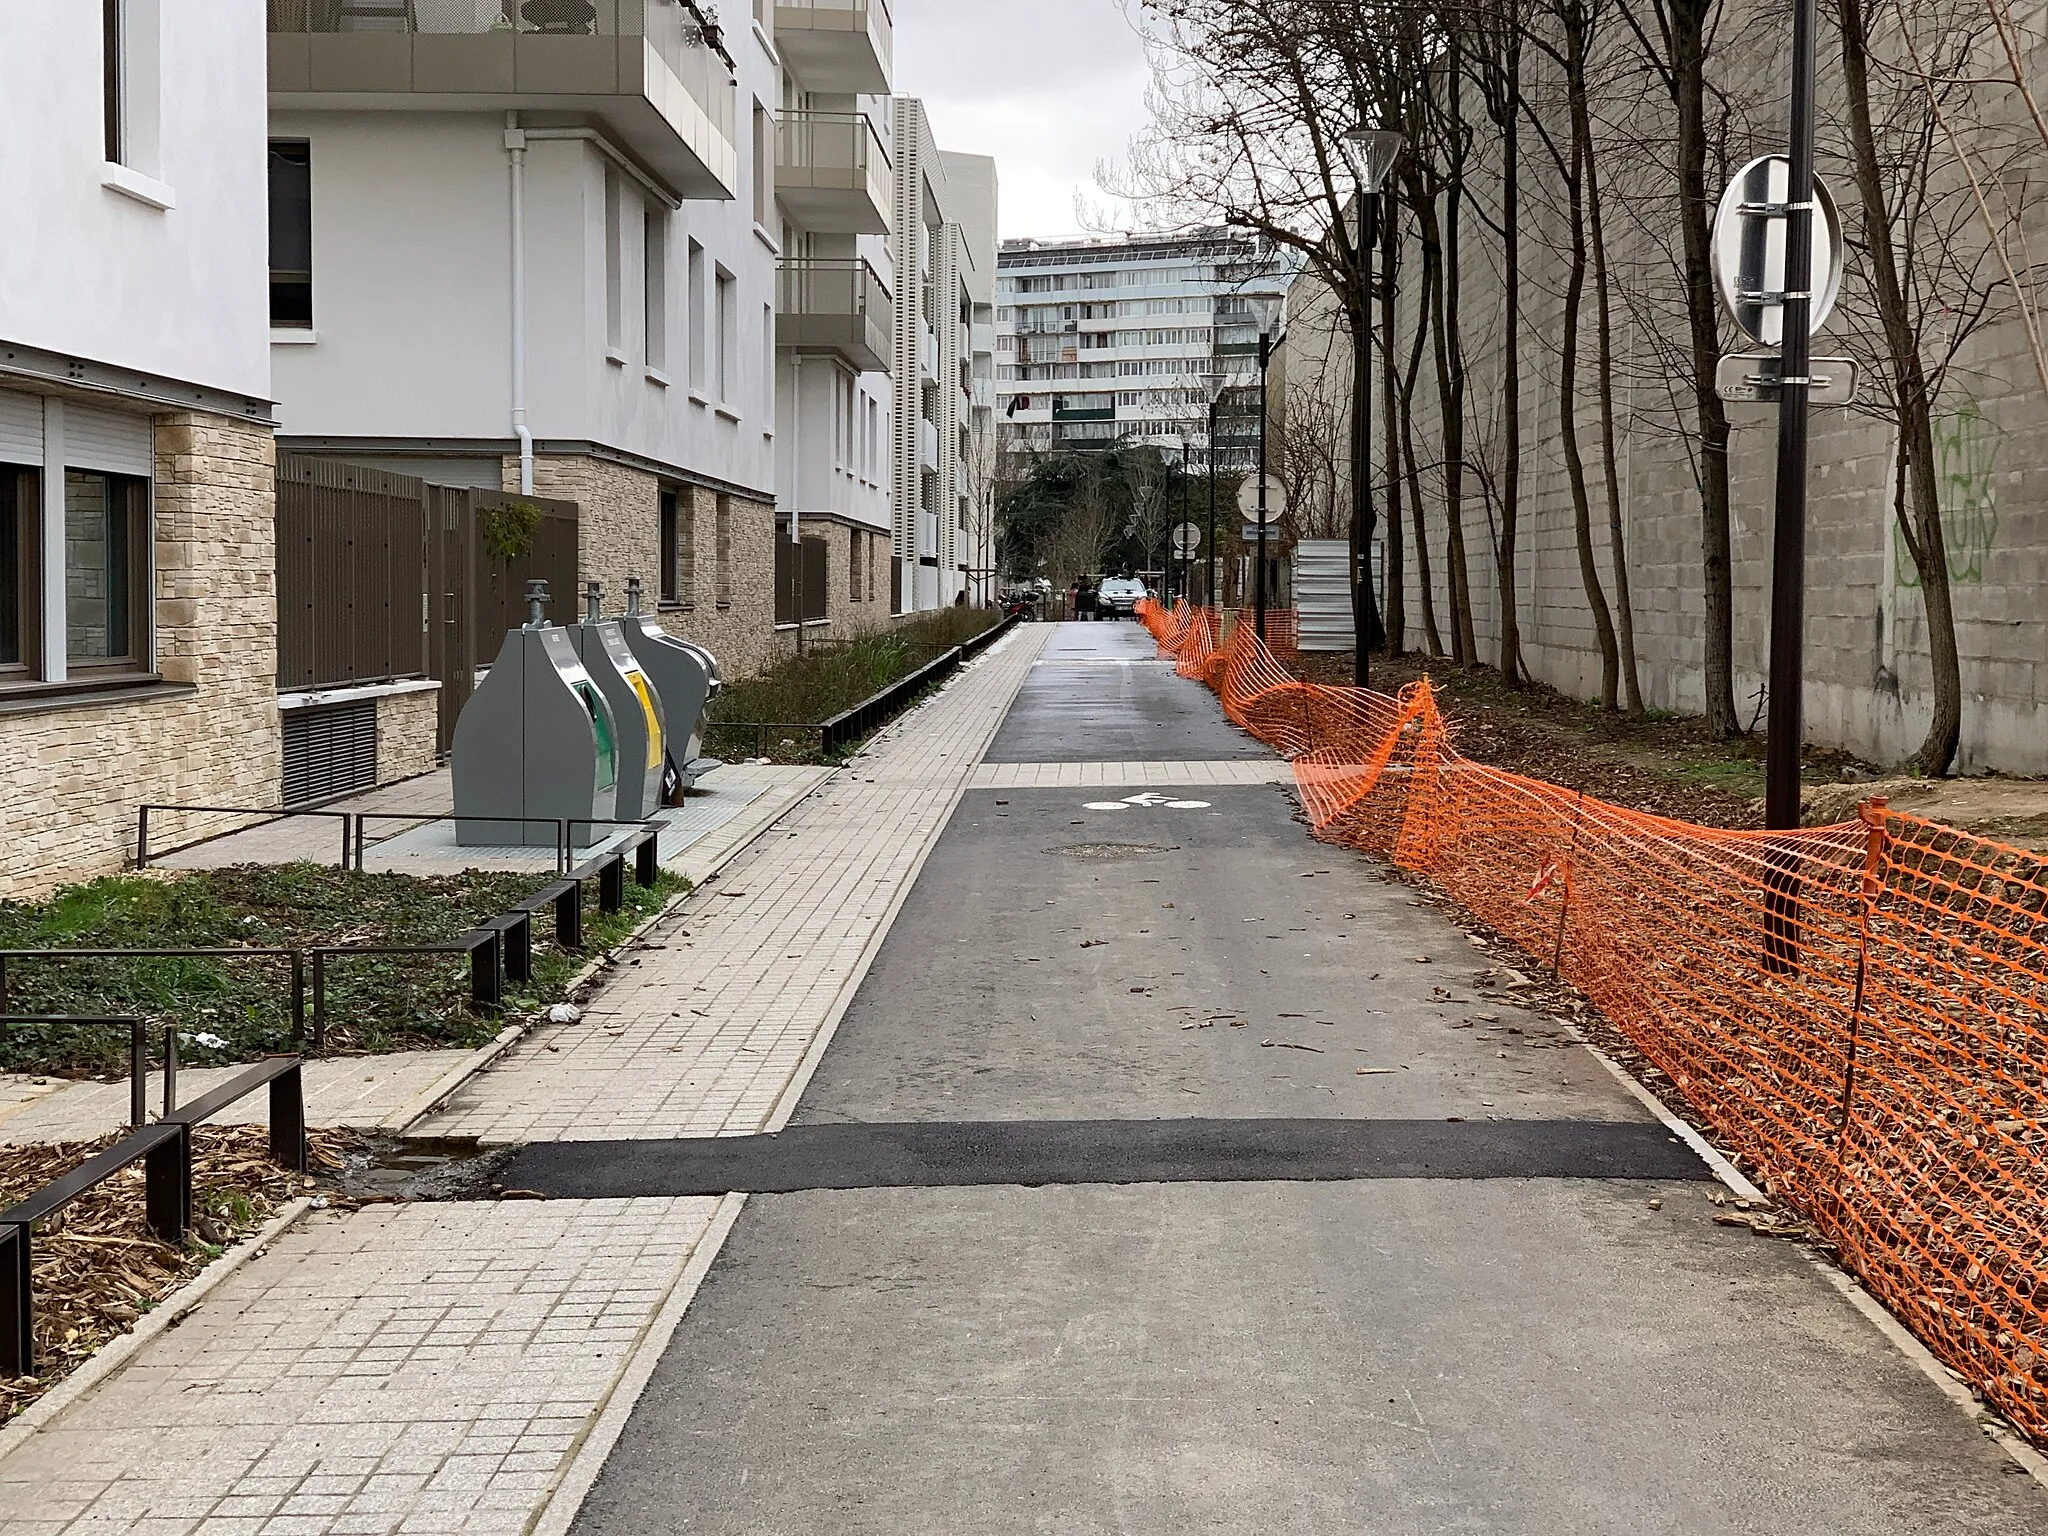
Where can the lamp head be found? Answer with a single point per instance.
(1379, 149)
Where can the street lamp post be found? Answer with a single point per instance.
(1213, 385)
(1377, 152)
(1272, 332)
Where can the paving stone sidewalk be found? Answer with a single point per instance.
(424, 1368)
(706, 1036)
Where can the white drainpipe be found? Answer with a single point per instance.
(515, 146)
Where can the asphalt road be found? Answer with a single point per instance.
(1038, 1266)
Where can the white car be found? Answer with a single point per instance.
(1117, 598)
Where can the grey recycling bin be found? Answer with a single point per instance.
(684, 673)
(643, 737)
(536, 740)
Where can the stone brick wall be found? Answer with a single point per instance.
(72, 775)
(850, 616)
(408, 733)
(1869, 686)
(728, 603)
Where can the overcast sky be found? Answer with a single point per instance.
(1048, 87)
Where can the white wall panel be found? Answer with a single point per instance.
(21, 427)
(119, 442)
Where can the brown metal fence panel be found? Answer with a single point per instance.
(381, 576)
(817, 573)
(351, 574)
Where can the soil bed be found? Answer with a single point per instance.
(229, 1010)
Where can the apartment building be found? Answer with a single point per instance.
(137, 617)
(833, 198)
(530, 247)
(1105, 341)
(943, 245)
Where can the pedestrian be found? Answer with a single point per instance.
(1084, 606)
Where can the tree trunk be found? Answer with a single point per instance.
(1507, 117)
(1921, 528)
(1624, 606)
(1397, 576)
(1449, 355)
(1568, 367)
(1424, 582)
(1689, 22)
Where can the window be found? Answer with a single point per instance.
(855, 553)
(728, 325)
(654, 284)
(669, 555)
(614, 267)
(764, 165)
(722, 572)
(105, 568)
(20, 518)
(291, 234)
(699, 324)
(113, 57)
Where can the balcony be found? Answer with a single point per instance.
(642, 67)
(839, 308)
(832, 174)
(838, 47)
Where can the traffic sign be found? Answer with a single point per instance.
(1248, 499)
(1748, 250)
(1187, 538)
(1751, 378)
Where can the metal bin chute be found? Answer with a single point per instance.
(635, 702)
(685, 675)
(536, 740)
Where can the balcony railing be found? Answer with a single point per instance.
(834, 305)
(521, 48)
(833, 173)
(843, 47)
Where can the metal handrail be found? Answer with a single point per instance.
(296, 956)
(138, 1051)
(165, 1150)
(276, 813)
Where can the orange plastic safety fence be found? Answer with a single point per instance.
(1861, 1011)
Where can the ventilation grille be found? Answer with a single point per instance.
(329, 751)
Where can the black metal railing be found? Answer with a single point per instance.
(165, 1151)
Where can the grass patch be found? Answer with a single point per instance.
(228, 1010)
(827, 679)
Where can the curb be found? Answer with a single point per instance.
(563, 1500)
(1951, 1386)
(168, 1313)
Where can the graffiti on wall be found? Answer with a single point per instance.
(1966, 445)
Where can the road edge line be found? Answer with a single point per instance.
(564, 1499)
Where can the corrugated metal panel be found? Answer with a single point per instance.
(1322, 594)
(21, 427)
(329, 751)
(115, 441)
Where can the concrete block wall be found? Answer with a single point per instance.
(1868, 678)
(72, 774)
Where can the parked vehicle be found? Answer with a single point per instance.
(1118, 596)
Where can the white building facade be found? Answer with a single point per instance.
(1107, 341)
(943, 246)
(531, 248)
(137, 609)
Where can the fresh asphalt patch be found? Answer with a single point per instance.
(938, 1155)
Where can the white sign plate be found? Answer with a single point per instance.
(1751, 378)
(1748, 249)
(1248, 499)
(1187, 538)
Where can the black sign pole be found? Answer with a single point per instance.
(1788, 537)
